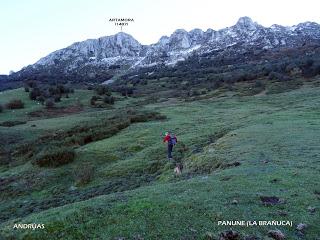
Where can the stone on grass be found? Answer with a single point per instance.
(229, 235)
(301, 227)
(276, 234)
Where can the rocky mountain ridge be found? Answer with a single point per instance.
(122, 50)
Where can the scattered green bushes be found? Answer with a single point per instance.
(104, 96)
(44, 92)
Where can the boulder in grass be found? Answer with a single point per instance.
(301, 227)
(229, 235)
(270, 200)
(276, 234)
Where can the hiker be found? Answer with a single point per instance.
(172, 140)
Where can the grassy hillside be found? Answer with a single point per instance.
(235, 150)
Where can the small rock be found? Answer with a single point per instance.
(311, 209)
(72, 188)
(270, 200)
(234, 202)
(193, 230)
(229, 235)
(301, 227)
(276, 234)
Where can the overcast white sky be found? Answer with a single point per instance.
(31, 29)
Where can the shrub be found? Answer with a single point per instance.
(278, 76)
(12, 123)
(83, 174)
(126, 91)
(1, 108)
(57, 98)
(49, 103)
(31, 84)
(93, 100)
(54, 157)
(109, 99)
(15, 104)
(35, 92)
(102, 89)
(195, 92)
(41, 99)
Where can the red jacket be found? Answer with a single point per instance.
(167, 138)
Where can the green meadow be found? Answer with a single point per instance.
(235, 150)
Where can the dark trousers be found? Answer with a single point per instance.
(170, 148)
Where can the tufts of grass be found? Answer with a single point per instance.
(83, 174)
(54, 157)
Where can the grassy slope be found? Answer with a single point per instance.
(273, 137)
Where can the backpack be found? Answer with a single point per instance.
(173, 140)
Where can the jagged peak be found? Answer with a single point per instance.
(122, 34)
(179, 31)
(308, 24)
(196, 31)
(246, 22)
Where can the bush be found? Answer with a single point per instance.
(54, 157)
(31, 84)
(126, 91)
(49, 103)
(57, 98)
(35, 92)
(15, 104)
(12, 123)
(1, 108)
(83, 174)
(102, 89)
(93, 100)
(41, 99)
(278, 76)
(109, 100)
